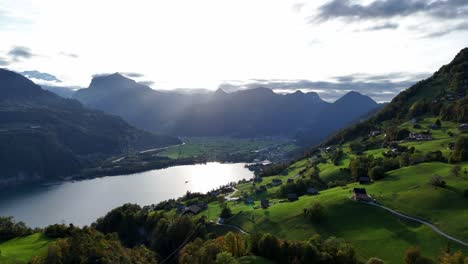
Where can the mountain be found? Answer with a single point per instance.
(343, 112)
(443, 95)
(138, 104)
(45, 136)
(246, 113)
(65, 92)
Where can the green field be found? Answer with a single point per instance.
(373, 231)
(22, 250)
(214, 147)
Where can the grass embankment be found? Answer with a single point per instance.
(22, 250)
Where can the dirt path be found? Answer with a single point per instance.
(433, 227)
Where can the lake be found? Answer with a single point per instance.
(82, 202)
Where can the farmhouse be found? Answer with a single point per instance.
(419, 136)
(312, 191)
(265, 203)
(360, 194)
(277, 182)
(463, 127)
(292, 197)
(364, 180)
(193, 209)
(261, 189)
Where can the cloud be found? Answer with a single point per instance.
(384, 26)
(458, 27)
(41, 76)
(71, 55)
(19, 52)
(4, 62)
(147, 83)
(381, 88)
(133, 74)
(379, 9)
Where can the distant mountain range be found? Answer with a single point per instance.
(247, 113)
(43, 135)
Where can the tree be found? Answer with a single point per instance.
(438, 123)
(455, 258)
(316, 213)
(225, 212)
(225, 258)
(375, 261)
(412, 254)
(377, 173)
(465, 193)
(437, 181)
(456, 170)
(269, 247)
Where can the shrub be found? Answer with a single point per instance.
(437, 181)
(226, 212)
(316, 213)
(375, 261)
(377, 173)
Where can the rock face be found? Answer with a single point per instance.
(44, 136)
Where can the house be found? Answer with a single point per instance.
(360, 194)
(261, 189)
(292, 197)
(451, 146)
(277, 182)
(463, 127)
(312, 191)
(419, 136)
(193, 209)
(180, 208)
(258, 179)
(265, 203)
(203, 205)
(364, 180)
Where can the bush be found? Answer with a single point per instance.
(316, 213)
(377, 173)
(10, 229)
(375, 261)
(465, 193)
(437, 181)
(226, 212)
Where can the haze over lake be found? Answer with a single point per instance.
(82, 202)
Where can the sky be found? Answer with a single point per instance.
(376, 47)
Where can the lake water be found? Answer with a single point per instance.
(82, 202)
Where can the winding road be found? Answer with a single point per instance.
(433, 227)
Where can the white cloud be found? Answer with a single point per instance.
(201, 43)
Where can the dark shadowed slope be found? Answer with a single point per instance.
(45, 136)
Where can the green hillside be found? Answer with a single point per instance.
(23, 249)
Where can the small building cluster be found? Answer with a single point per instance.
(420, 136)
(360, 194)
(194, 209)
(463, 127)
